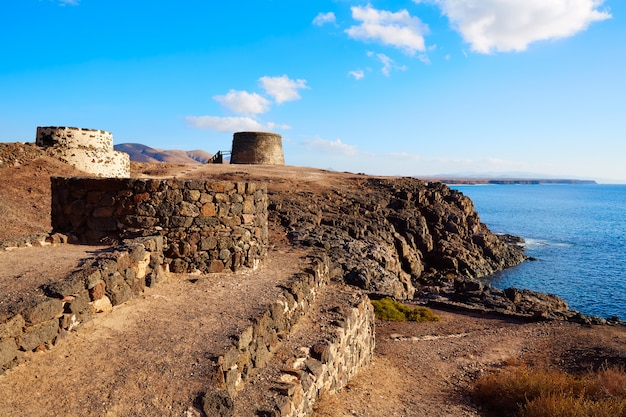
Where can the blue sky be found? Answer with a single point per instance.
(414, 87)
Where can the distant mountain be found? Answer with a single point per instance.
(143, 153)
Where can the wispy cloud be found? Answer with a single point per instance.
(399, 30)
(231, 124)
(68, 2)
(330, 146)
(511, 25)
(244, 102)
(282, 88)
(357, 74)
(388, 64)
(324, 18)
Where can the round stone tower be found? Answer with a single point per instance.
(89, 150)
(261, 148)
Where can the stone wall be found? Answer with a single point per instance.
(89, 150)
(252, 347)
(262, 148)
(321, 368)
(110, 279)
(208, 226)
(326, 367)
(122, 273)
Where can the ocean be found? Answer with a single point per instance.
(576, 233)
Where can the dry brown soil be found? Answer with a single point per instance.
(427, 369)
(149, 356)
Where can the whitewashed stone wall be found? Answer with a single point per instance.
(89, 150)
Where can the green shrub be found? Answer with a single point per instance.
(391, 310)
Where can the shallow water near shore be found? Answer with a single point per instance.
(577, 233)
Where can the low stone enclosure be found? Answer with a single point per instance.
(123, 272)
(208, 226)
(164, 225)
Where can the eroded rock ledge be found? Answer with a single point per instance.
(392, 236)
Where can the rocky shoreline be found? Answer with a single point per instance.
(419, 242)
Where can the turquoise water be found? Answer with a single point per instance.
(577, 233)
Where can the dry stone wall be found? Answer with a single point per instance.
(121, 273)
(110, 279)
(208, 226)
(252, 347)
(89, 150)
(328, 366)
(323, 367)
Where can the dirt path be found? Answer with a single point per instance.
(149, 356)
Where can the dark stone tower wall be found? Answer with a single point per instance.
(261, 148)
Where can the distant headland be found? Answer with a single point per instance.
(511, 181)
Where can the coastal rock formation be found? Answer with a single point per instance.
(389, 236)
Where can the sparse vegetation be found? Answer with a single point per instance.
(524, 392)
(391, 310)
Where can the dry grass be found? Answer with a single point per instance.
(528, 392)
(569, 406)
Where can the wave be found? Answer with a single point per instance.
(532, 242)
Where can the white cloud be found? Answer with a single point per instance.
(400, 29)
(243, 102)
(328, 146)
(424, 58)
(357, 74)
(68, 2)
(282, 88)
(231, 124)
(388, 64)
(511, 25)
(323, 18)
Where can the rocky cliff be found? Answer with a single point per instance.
(414, 240)
(390, 236)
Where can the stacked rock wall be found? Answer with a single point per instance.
(321, 368)
(208, 226)
(326, 367)
(261, 148)
(89, 150)
(109, 280)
